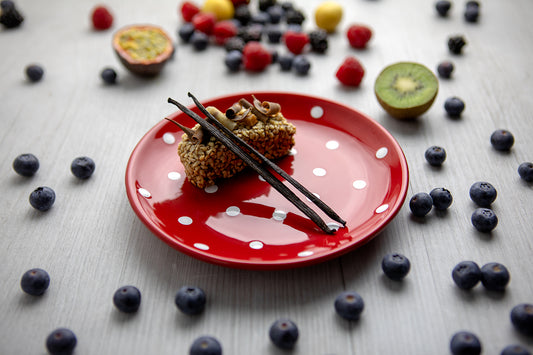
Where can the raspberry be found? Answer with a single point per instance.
(255, 56)
(188, 10)
(295, 41)
(204, 22)
(102, 18)
(223, 31)
(358, 36)
(350, 72)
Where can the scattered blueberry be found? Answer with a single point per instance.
(349, 305)
(502, 139)
(82, 167)
(442, 7)
(274, 34)
(61, 341)
(301, 65)
(206, 345)
(26, 164)
(199, 40)
(483, 193)
(276, 13)
(471, 13)
(109, 75)
(420, 204)
(515, 350)
(285, 61)
(522, 318)
(445, 69)
(34, 72)
(435, 155)
(466, 274)
(442, 198)
(525, 170)
(284, 333)
(454, 106)
(185, 31)
(42, 198)
(494, 276)
(35, 281)
(484, 219)
(243, 14)
(190, 300)
(456, 44)
(395, 266)
(127, 299)
(465, 343)
(318, 39)
(472, 3)
(233, 60)
(7, 5)
(261, 18)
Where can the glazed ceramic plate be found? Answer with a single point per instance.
(346, 158)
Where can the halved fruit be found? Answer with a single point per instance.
(406, 89)
(143, 49)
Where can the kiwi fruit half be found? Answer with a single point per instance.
(406, 89)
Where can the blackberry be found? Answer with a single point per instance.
(456, 44)
(284, 333)
(445, 69)
(435, 155)
(264, 5)
(10, 17)
(495, 276)
(420, 204)
(35, 282)
(525, 170)
(250, 33)
(26, 164)
(442, 7)
(502, 139)
(294, 17)
(484, 220)
(243, 14)
(318, 40)
(234, 44)
(466, 275)
(522, 318)
(442, 198)
(349, 305)
(465, 343)
(395, 266)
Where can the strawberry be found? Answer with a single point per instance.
(204, 22)
(255, 56)
(358, 36)
(188, 10)
(101, 17)
(223, 31)
(350, 72)
(295, 41)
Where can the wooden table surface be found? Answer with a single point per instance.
(91, 242)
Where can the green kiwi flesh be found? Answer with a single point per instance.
(406, 89)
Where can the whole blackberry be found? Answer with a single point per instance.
(318, 40)
(251, 33)
(456, 44)
(234, 44)
(266, 4)
(294, 17)
(243, 14)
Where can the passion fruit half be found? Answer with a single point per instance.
(143, 49)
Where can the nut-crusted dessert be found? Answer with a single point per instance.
(261, 125)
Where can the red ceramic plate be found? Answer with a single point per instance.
(345, 157)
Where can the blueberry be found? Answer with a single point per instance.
(233, 60)
(285, 61)
(435, 155)
(456, 44)
(42, 198)
(190, 300)
(284, 333)
(472, 3)
(484, 219)
(185, 31)
(466, 275)
(483, 193)
(206, 345)
(502, 139)
(301, 65)
(471, 13)
(515, 350)
(34, 72)
(494, 276)
(522, 318)
(199, 40)
(276, 13)
(349, 305)
(127, 299)
(109, 75)
(318, 39)
(61, 341)
(454, 106)
(395, 266)
(442, 198)
(82, 167)
(445, 69)
(26, 164)
(7, 5)
(10, 17)
(420, 204)
(274, 34)
(442, 7)
(35, 281)
(261, 18)
(525, 170)
(465, 343)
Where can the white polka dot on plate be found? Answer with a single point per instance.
(382, 152)
(332, 145)
(279, 215)
(305, 253)
(174, 175)
(317, 112)
(201, 246)
(185, 220)
(359, 184)
(319, 172)
(382, 208)
(211, 189)
(256, 244)
(144, 192)
(169, 138)
(233, 211)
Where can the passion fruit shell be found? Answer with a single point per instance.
(143, 49)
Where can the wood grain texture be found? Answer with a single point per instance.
(91, 242)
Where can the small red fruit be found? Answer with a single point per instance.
(204, 22)
(358, 36)
(240, 2)
(295, 41)
(188, 10)
(350, 72)
(255, 56)
(223, 31)
(101, 17)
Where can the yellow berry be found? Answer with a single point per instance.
(328, 15)
(222, 9)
